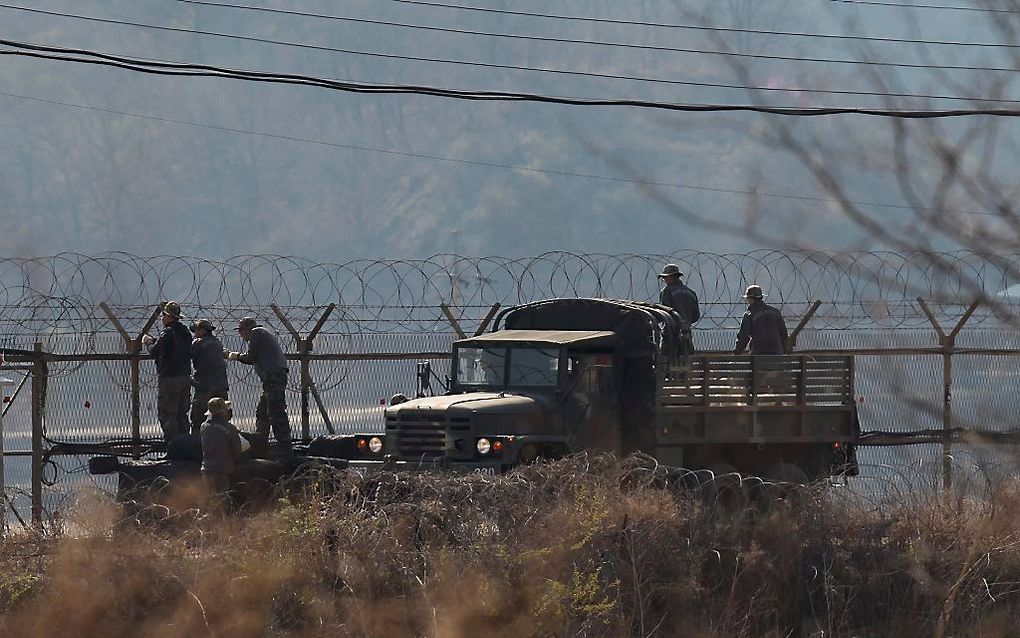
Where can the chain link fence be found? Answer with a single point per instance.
(376, 319)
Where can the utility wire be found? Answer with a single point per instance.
(494, 165)
(499, 66)
(900, 5)
(716, 85)
(401, 57)
(517, 36)
(735, 54)
(534, 14)
(203, 70)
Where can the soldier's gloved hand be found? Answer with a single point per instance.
(147, 339)
(231, 355)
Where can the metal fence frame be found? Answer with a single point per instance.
(304, 353)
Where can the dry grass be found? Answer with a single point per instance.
(581, 547)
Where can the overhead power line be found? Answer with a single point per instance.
(82, 56)
(714, 85)
(535, 14)
(900, 5)
(511, 67)
(493, 165)
(518, 36)
(733, 54)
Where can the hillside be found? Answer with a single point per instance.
(97, 158)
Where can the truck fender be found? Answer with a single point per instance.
(529, 447)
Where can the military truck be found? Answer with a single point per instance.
(560, 376)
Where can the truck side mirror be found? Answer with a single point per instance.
(424, 375)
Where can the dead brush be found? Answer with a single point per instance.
(586, 546)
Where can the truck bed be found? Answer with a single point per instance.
(716, 398)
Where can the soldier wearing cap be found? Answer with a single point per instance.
(222, 445)
(762, 326)
(266, 355)
(172, 351)
(682, 299)
(678, 296)
(210, 378)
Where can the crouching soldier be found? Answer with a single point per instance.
(222, 446)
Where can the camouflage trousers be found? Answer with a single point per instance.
(173, 396)
(272, 409)
(200, 404)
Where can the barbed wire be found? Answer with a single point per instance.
(57, 296)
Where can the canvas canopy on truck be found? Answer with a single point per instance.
(573, 338)
(644, 329)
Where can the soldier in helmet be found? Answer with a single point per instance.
(222, 445)
(210, 378)
(172, 351)
(682, 299)
(266, 355)
(762, 326)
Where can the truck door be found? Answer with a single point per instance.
(598, 424)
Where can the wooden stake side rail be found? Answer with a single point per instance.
(728, 381)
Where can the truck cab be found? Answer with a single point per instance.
(514, 395)
(554, 377)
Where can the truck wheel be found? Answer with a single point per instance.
(724, 488)
(781, 483)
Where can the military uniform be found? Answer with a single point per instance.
(221, 446)
(210, 379)
(266, 356)
(763, 326)
(682, 299)
(172, 351)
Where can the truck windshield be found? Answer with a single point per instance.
(488, 367)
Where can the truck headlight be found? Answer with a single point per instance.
(375, 445)
(483, 446)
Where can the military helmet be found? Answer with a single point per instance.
(173, 309)
(247, 323)
(203, 324)
(670, 270)
(754, 291)
(218, 405)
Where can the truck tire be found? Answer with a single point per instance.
(724, 488)
(780, 483)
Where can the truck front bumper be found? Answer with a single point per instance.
(488, 466)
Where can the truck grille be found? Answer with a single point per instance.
(422, 433)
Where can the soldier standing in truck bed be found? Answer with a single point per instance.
(762, 326)
(682, 299)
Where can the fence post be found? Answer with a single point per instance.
(133, 346)
(488, 317)
(791, 342)
(947, 343)
(39, 382)
(4, 383)
(453, 321)
(304, 347)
